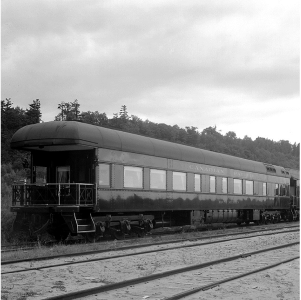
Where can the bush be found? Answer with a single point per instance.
(2, 171)
(7, 221)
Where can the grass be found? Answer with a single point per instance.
(7, 221)
(58, 249)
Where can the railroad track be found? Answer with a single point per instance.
(166, 231)
(195, 242)
(101, 263)
(18, 247)
(183, 248)
(213, 275)
(199, 241)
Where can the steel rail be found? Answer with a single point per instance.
(118, 285)
(217, 283)
(17, 249)
(144, 245)
(139, 253)
(133, 254)
(19, 245)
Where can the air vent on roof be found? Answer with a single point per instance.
(285, 172)
(270, 168)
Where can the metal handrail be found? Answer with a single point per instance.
(53, 194)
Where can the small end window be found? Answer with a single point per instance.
(249, 187)
(40, 175)
(63, 174)
(179, 181)
(224, 185)
(104, 175)
(237, 186)
(212, 184)
(197, 182)
(264, 189)
(276, 189)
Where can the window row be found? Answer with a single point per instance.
(133, 178)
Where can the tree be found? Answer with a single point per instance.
(75, 109)
(123, 114)
(12, 119)
(192, 136)
(69, 111)
(95, 118)
(231, 135)
(61, 115)
(211, 131)
(34, 114)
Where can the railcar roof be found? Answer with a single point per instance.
(294, 173)
(72, 135)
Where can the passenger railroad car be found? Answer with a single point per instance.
(88, 179)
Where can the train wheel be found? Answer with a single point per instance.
(138, 231)
(90, 237)
(117, 234)
(61, 236)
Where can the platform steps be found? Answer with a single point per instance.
(79, 223)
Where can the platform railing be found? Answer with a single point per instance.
(53, 194)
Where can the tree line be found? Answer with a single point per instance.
(15, 164)
(261, 149)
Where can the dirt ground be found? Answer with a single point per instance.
(281, 283)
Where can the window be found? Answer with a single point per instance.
(284, 190)
(40, 175)
(276, 192)
(237, 186)
(212, 184)
(133, 177)
(249, 187)
(104, 175)
(264, 189)
(157, 179)
(63, 174)
(224, 185)
(179, 181)
(197, 182)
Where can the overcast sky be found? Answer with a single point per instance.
(233, 64)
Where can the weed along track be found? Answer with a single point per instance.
(150, 248)
(98, 273)
(157, 233)
(116, 246)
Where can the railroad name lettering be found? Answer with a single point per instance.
(205, 169)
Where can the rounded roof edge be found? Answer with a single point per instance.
(76, 133)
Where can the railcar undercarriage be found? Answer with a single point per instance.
(94, 227)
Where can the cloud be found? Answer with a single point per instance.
(171, 55)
